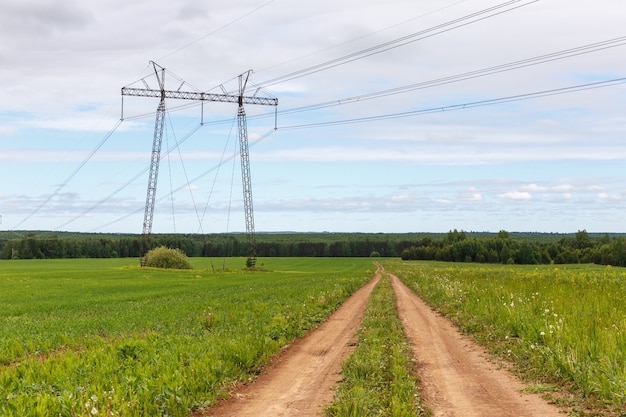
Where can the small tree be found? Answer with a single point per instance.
(163, 257)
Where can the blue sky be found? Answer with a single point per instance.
(550, 164)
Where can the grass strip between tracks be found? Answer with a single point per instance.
(378, 378)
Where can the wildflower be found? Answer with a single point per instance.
(94, 411)
(542, 334)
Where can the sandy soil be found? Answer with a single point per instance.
(456, 378)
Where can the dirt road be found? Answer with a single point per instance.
(457, 380)
(301, 381)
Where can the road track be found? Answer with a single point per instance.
(457, 378)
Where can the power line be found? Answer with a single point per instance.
(203, 174)
(126, 184)
(364, 36)
(480, 103)
(72, 175)
(440, 109)
(563, 54)
(216, 30)
(542, 59)
(381, 48)
(402, 41)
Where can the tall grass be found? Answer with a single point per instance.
(561, 325)
(378, 379)
(102, 337)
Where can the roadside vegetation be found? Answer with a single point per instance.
(562, 327)
(92, 337)
(378, 377)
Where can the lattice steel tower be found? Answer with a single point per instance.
(240, 99)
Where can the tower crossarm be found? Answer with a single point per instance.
(192, 95)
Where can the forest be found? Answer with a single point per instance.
(504, 248)
(454, 246)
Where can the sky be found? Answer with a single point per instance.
(393, 117)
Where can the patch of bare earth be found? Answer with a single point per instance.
(457, 380)
(300, 381)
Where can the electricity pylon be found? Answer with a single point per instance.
(240, 99)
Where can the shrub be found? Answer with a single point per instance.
(163, 257)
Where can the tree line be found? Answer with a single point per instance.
(51, 246)
(502, 248)
(455, 246)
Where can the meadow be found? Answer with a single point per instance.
(90, 337)
(562, 328)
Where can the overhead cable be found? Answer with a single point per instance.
(402, 41)
(72, 175)
(182, 187)
(127, 183)
(488, 102)
(542, 59)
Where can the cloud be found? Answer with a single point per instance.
(559, 188)
(609, 197)
(40, 18)
(7, 130)
(515, 195)
(471, 194)
(534, 188)
(563, 188)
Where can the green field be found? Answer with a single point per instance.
(564, 328)
(92, 337)
(103, 337)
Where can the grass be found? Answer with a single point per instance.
(378, 378)
(104, 337)
(562, 325)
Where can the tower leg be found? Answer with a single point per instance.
(247, 186)
(152, 182)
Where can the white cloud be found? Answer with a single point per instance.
(563, 188)
(534, 188)
(609, 197)
(515, 195)
(471, 194)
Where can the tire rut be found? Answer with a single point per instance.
(456, 378)
(300, 381)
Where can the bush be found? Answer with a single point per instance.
(163, 257)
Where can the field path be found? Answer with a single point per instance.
(301, 380)
(456, 378)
